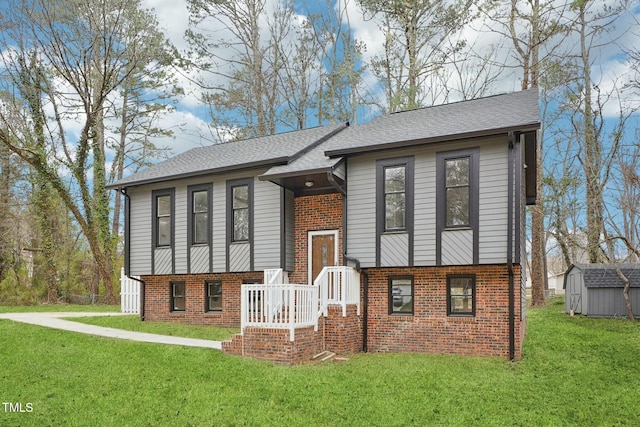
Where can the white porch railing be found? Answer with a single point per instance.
(291, 306)
(338, 286)
(282, 306)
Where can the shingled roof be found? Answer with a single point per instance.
(266, 151)
(493, 115)
(321, 148)
(605, 276)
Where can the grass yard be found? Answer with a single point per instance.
(576, 371)
(133, 323)
(58, 308)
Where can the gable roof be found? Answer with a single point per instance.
(605, 275)
(493, 115)
(320, 149)
(265, 151)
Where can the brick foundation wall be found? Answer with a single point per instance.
(343, 335)
(274, 345)
(314, 213)
(429, 329)
(157, 299)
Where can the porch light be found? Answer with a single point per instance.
(308, 184)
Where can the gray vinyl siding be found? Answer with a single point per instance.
(340, 171)
(163, 261)
(492, 221)
(394, 250)
(493, 203)
(240, 257)
(219, 227)
(425, 208)
(266, 227)
(361, 210)
(199, 259)
(457, 247)
(181, 229)
(140, 234)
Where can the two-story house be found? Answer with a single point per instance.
(404, 234)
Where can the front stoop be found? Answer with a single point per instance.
(335, 334)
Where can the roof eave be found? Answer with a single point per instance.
(433, 140)
(215, 171)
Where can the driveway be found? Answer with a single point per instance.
(56, 321)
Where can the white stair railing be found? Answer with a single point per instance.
(290, 306)
(295, 308)
(338, 285)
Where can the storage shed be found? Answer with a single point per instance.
(596, 290)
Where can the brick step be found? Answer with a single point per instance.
(324, 356)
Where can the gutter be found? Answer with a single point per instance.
(127, 237)
(510, 196)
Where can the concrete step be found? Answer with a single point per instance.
(324, 356)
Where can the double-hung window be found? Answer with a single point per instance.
(240, 207)
(213, 299)
(395, 197)
(178, 296)
(457, 192)
(461, 295)
(401, 295)
(200, 217)
(163, 218)
(394, 206)
(199, 214)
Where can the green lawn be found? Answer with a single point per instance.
(133, 323)
(58, 308)
(576, 371)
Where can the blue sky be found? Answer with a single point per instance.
(190, 119)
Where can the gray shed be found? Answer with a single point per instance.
(596, 290)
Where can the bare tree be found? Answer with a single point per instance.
(84, 52)
(417, 35)
(535, 29)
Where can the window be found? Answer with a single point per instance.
(457, 191)
(461, 295)
(199, 220)
(401, 295)
(214, 296)
(163, 218)
(240, 213)
(178, 300)
(395, 197)
(394, 206)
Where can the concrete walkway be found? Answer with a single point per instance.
(56, 321)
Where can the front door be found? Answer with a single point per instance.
(323, 252)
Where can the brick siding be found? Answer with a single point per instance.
(341, 335)
(430, 329)
(157, 299)
(314, 213)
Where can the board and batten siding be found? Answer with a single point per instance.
(492, 221)
(267, 229)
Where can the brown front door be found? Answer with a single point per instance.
(322, 253)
